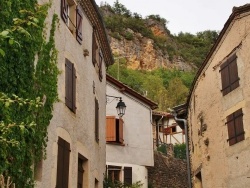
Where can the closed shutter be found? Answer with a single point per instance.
(63, 155)
(64, 10)
(231, 130)
(120, 130)
(233, 71)
(70, 85)
(239, 129)
(100, 65)
(128, 175)
(94, 48)
(96, 120)
(79, 25)
(110, 129)
(225, 79)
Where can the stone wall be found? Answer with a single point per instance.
(168, 172)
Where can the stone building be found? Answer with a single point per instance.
(76, 135)
(218, 108)
(129, 139)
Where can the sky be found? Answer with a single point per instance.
(185, 15)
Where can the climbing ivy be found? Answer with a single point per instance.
(28, 87)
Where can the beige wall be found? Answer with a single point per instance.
(78, 129)
(222, 165)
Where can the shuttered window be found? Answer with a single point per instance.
(80, 173)
(114, 173)
(96, 120)
(229, 75)
(70, 85)
(64, 10)
(100, 65)
(114, 129)
(94, 48)
(235, 127)
(79, 25)
(128, 176)
(62, 178)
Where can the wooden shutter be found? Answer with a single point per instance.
(233, 72)
(121, 130)
(128, 175)
(231, 130)
(94, 48)
(70, 85)
(80, 173)
(100, 65)
(63, 155)
(79, 25)
(64, 10)
(96, 120)
(110, 129)
(225, 80)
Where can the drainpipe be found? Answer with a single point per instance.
(157, 131)
(187, 149)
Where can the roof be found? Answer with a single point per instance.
(92, 12)
(125, 89)
(236, 11)
(160, 113)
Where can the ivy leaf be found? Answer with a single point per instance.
(11, 41)
(4, 33)
(2, 52)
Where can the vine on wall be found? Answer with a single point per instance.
(28, 87)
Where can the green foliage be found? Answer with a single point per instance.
(162, 148)
(158, 18)
(23, 116)
(107, 183)
(180, 151)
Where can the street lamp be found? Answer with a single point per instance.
(120, 107)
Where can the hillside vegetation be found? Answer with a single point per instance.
(167, 87)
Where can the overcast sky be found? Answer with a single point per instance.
(185, 15)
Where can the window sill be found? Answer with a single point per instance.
(115, 143)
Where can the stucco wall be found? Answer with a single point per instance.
(222, 165)
(79, 128)
(137, 131)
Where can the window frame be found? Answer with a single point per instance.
(235, 127)
(229, 75)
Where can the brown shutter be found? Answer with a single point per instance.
(96, 120)
(80, 173)
(100, 66)
(231, 130)
(74, 89)
(110, 128)
(94, 48)
(79, 25)
(233, 71)
(239, 129)
(62, 179)
(121, 130)
(69, 84)
(128, 175)
(64, 10)
(225, 80)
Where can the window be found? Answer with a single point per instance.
(114, 173)
(229, 75)
(114, 130)
(100, 65)
(128, 176)
(70, 85)
(62, 177)
(72, 17)
(94, 48)
(81, 176)
(235, 127)
(96, 120)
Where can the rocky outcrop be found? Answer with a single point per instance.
(168, 172)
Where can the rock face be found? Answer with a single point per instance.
(141, 53)
(168, 172)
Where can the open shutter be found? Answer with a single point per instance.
(121, 130)
(110, 129)
(79, 25)
(239, 129)
(64, 10)
(69, 84)
(100, 65)
(94, 48)
(128, 175)
(225, 79)
(62, 179)
(74, 89)
(96, 120)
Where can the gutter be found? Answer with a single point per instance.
(187, 146)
